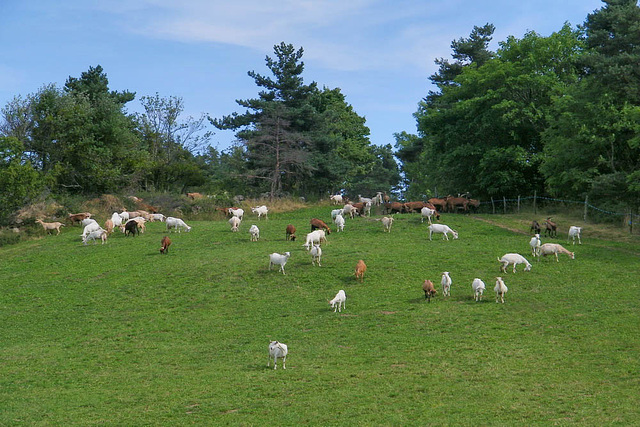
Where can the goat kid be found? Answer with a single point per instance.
(338, 300)
(277, 350)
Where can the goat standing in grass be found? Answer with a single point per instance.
(166, 242)
(478, 287)
(535, 243)
(573, 233)
(338, 300)
(316, 254)
(279, 259)
(255, 233)
(48, 226)
(514, 259)
(361, 268)
(446, 284)
(429, 290)
(500, 289)
(554, 249)
(277, 350)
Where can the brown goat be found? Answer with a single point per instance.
(291, 233)
(318, 223)
(535, 227)
(166, 242)
(551, 228)
(429, 290)
(361, 268)
(78, 217)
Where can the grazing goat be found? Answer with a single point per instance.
(535, 243)
(131, 228)
(164, 245)
(290, 233)
(157, 217)
(500, 289)
(255, 233)
(236, 212)
(551, 228)
(317, 236)
(387, 222)
(48, 226)
(116, 219)
(261, 210)
(277, 350)
(446, 284)
(93, 226)
(335, 213)
(555, 249)
(319, 224)
(426, 212)
(535, 227)
(78, 217)
(88, 221)
(339, 223)
(336, 199)
(429, 290)
(279, 259)
(478, 287)
(361, 268)
(177, 224)
(573, 233)
(444, 229)
(124, 216)
(350, 210)
(95, 234)
(514, 259)
(108, 225)
(316, 254)
(235, 222)
(338, 300)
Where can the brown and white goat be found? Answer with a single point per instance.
(290, 233)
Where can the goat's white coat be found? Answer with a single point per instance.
(277, 350)
(235, 222)
(116, 219)
(95, 234)
(92, 226)
(500, 289)
(338, 300)
(317, 236)
(336, 199)
(478, 287)
(555, 249)
(514, 259)
(573, 233)
(335, 213)
(387, 222)
(446, 284)
(426, 212)
(535, 243)
(316, 254)
(177, 224)
(261, 210)
(255, 233)
(339, 220)
(237, 212)
(442, 228)
(279, 259)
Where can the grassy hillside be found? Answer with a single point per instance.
(121, 335)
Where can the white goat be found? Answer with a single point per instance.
(157, 217)
(279, 259)
(88, 221)
(514, 259)
(555, 249)
(124, 215)
(500, 289)
(444, 229)
(92, 226)
(366, 209)
(255, 233)
(446, 284)
(261, 210)
(335, 213)
(349, 210)
(338, 300)
(364, 200)
(573, 233)
(317, 236)
(177, 224)
(336, 199)
(316, 254)
(426, 212)
(95, 234)
(277, 350)
(535, 243)
(116, 219)
(478, 287)
(235, 222)
(387, 222)
(339, 223)
(236, 212)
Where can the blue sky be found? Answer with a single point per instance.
(380, 53)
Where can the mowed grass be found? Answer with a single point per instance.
(118, 334)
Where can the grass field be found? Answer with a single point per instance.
(118, 334)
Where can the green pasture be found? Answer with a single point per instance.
(118, 334)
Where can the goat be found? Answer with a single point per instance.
(478, 287)
(535, 243)
(338, 300)
(387, 222)
(177, 224)
(236, 212)
(535, 227)
(319, 224)
(500, 289)
(157, 217)
(290, 233)
(551, 228)
(165, 243)
(316, 253)
(48, 226)
(514, 259)
(335, 213)
(361, 268)
(573, 233)
(261, 210)
(255, 233)
(88, 221)
(277, 350)
(555, 249)
(78, 217)
(446, 284)
(108, 225)
(339, 223)
(116, 219)
(426, 212)
(336, 199)
(444, 229)
(95, 234)
(317, 236)
(93, 226)
(124, 215)
(131, 228)
(235, 222)
(349, 209)
(279, 259)
(429, 290)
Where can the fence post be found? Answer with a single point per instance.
(518, 203)
(535, 196)
(586, 204)
(493, 205)
(504, 201)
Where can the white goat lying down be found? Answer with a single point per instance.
(338, 300)
(279, 259)
(555, 249)
(277, 350)
(500, 289)
(446, 284)
(478, 287)
(535, 243)
(514, 259)
(255, 232)
(573, 233)
(444, 229)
